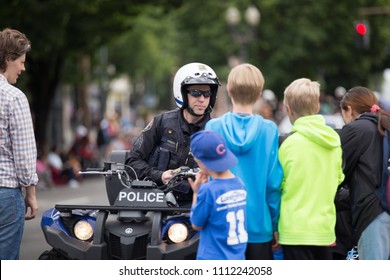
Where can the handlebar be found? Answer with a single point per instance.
(183, 172)
(112, 168)
(96, 172)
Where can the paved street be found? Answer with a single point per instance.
(91, 191)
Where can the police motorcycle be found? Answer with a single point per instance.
(142, 221)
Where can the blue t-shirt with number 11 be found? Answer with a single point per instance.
(221, 211)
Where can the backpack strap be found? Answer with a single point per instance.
(383, 192)
(386, 166)
(284, 136)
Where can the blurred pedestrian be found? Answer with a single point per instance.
(44, 173)
(218, 206)
(84, 149)
(18, 153)
(362, 142)
(312, 163)
(254, 141)
(63, 171)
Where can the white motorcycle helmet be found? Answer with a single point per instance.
(194, 74)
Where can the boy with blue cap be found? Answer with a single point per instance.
(218, 206)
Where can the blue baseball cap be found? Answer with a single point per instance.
(210, 147)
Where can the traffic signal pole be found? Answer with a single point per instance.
(370, 11)
(362, 27)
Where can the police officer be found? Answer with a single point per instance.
(164, 144)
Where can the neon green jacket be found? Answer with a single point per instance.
(312, 163)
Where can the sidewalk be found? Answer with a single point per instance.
(91, 191)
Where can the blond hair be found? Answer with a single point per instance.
(245, 83)
(303, 97)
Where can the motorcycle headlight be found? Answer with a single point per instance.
(178, 232)
(83, 230)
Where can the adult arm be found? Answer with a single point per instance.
(143, 148)
(24, 152)
(31, 203)
(24, 149)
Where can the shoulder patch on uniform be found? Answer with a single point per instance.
(138, 142)
(148, 127)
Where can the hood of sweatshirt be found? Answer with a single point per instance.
(241, 131)
(314, 128)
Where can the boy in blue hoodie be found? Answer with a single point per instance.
(254, 141)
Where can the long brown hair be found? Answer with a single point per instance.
(363, 100)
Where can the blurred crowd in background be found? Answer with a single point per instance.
(60, 166)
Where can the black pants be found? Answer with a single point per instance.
(292, 252)
(259, 251)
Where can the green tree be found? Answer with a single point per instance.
(147, 54)
(61, 32)
(316, 39)
(149, 41)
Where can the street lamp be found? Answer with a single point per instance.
(241, 34)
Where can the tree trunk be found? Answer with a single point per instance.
(44, 78)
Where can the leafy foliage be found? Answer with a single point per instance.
(149, 40)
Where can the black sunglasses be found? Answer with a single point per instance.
(198, 93)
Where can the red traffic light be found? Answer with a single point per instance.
(361, 28)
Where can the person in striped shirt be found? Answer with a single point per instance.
(18, 153)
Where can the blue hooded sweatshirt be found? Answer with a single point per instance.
(254, 141)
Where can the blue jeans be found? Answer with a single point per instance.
(12, 210)
(374, 243)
